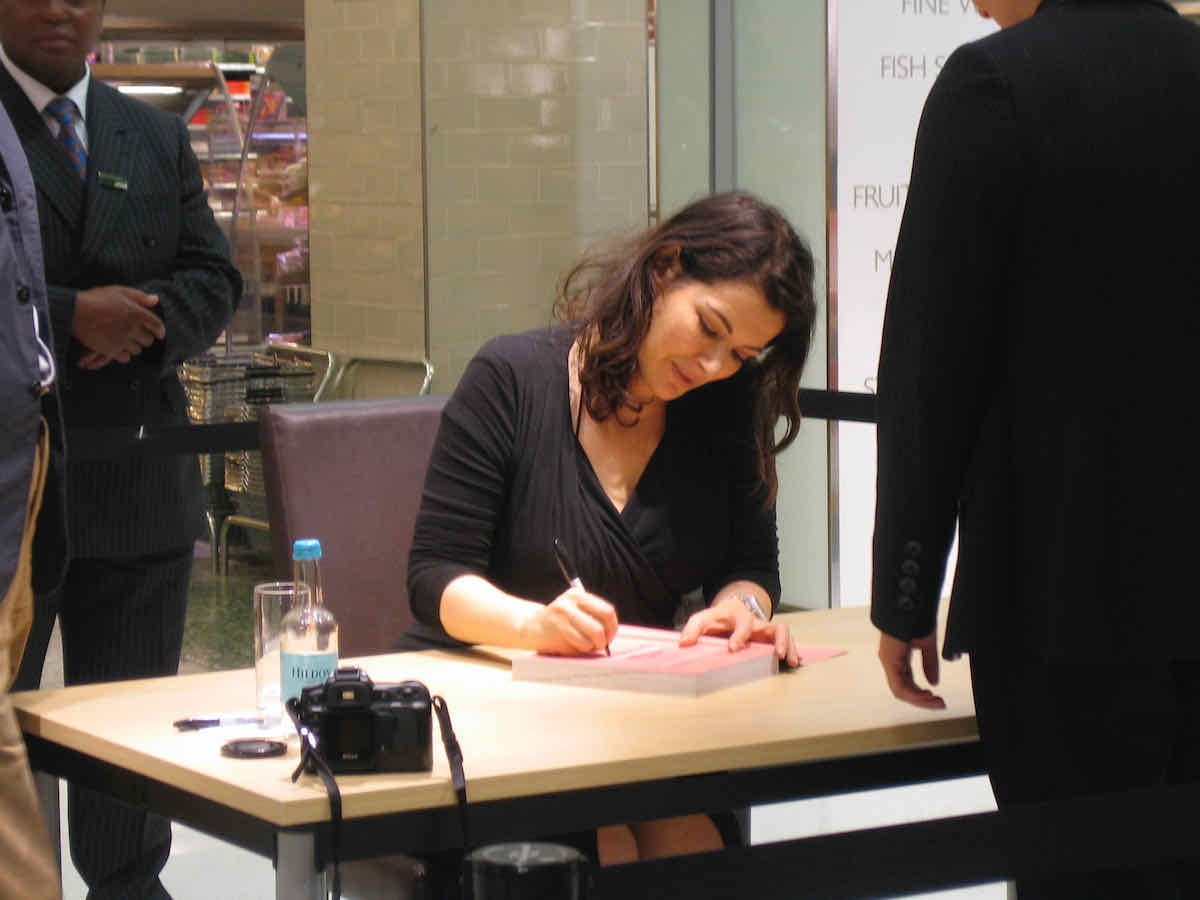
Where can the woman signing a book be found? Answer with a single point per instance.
(640, 432)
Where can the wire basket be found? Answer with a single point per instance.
(218, 389)
(243, 468)
(295, 378)
(212, 384)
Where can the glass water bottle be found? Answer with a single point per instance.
(309, 639)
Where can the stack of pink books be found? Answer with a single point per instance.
(651, 660)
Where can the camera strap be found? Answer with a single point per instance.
(453, 756)
(311, 757)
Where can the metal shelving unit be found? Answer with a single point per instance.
(249, 132)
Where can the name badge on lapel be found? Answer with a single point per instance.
(113, 182)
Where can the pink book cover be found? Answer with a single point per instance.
(650, 659)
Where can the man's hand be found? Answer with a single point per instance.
(895, 656)
(115, 323)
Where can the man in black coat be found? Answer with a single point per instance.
(1035, 387)
(139, 279)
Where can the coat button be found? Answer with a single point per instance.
(905, 601)
(912, 548)
(908, 585)
(23, 294)
(910, 567)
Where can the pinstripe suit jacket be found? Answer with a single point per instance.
(158, 235)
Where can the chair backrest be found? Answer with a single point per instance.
(351, 474)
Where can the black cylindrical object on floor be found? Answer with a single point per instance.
(526, 871)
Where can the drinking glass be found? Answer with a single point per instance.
(272, 600)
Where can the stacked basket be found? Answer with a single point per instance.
(233, 389)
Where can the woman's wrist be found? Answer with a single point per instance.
(747, 600)
(751, 603)
(527, 624)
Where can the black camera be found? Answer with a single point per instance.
(361, 726)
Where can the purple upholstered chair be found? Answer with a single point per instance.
(350, 473)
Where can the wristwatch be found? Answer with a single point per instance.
(751, 603)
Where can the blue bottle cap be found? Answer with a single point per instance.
(306, 548)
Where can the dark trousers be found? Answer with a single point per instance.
(120, 619)
(1054, 731)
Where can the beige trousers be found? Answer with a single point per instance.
(28, 869)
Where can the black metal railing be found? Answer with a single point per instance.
(219, 437)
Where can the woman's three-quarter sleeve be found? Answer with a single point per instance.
(467, 484)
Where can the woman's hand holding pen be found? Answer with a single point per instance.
(574, 623)
(729, 615)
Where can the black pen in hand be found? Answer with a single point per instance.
(570, 573)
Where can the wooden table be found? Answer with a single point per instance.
(539, 758)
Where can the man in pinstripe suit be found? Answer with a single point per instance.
(139, 278)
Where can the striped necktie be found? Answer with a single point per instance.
(66, 113)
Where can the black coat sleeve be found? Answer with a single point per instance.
(199, 293)
(941, 351)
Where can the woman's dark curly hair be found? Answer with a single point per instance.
(734, 236)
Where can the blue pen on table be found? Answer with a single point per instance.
(570, 572)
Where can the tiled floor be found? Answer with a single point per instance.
(218, 636)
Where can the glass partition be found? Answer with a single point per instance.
(779, 153)
(774, 101)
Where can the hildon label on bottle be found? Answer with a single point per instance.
(299, 670)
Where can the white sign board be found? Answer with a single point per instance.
(888, 53)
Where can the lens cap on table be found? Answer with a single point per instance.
(253, 748)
